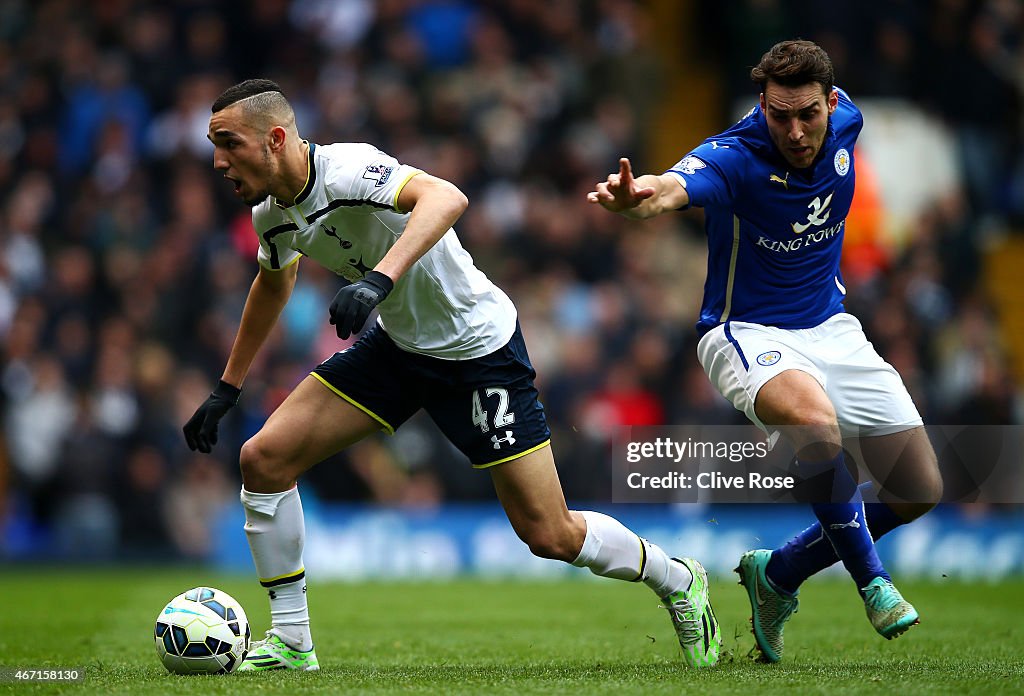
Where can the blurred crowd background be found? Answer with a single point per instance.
(125, 259)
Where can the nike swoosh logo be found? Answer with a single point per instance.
(757, 592)
(173, 610)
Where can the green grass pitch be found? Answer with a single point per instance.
(505, 637)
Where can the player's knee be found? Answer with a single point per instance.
(819, 421)
(925, 494)
(817, 439)
(908, 512)
(262, 469)
(554, 543)
(930, 493)
(914, 489)
(813, 427)
(549, 547)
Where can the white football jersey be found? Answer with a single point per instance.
(345, 219)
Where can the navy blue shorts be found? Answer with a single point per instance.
(488, 407)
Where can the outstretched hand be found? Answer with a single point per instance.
(620, 191)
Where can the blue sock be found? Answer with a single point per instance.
(844, 526)
(809, 552)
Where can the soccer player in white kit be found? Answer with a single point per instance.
(775, 340)
(447, 340)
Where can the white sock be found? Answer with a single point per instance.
(662, 574)
(276, 532)
(613, 551)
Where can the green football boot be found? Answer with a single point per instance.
(770, 609)
(694, 619)
(274, 653)
(889, 613)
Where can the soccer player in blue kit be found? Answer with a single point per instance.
(446, 340)
(775, 339)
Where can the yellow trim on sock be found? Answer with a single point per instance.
(514, 456)
(300, 571)
(346, 397)
(643, 561)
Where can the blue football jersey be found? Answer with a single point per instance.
(775, 233)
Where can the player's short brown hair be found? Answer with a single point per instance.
(793, 64)
(262, 101)
(245, 90)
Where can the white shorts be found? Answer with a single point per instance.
(867, 393)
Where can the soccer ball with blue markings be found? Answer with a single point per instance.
(202, 631)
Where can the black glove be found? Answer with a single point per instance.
(201, 429)
(354, 302)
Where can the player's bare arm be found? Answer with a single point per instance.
(435, 205)
(639, 197)
(267, 297)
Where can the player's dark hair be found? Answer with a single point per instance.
(244, 90)
(794, 64)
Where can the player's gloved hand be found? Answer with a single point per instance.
(354, 302)
(201, 429)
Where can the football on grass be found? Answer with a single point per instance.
(202, 631)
